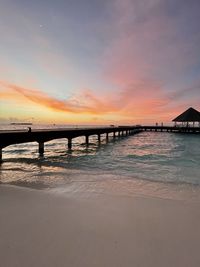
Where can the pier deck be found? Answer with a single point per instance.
(174, 129)
(41, 136)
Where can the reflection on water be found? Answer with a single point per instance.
(146, 162)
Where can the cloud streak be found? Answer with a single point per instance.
(76, 105)
(131, 101)
(156, 40)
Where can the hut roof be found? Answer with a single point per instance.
(190, 114)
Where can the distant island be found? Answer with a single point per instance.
(21, 123)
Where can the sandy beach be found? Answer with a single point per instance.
(39, 228)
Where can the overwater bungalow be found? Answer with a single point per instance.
(188, 118)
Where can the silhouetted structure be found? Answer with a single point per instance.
(190, 115)
(41, 136)
(8, 138)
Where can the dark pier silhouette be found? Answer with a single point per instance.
(172, 129)
(41, 136)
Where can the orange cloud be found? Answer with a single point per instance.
(134, 101)
(86, 102)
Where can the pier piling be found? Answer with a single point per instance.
(99, 138)
(41, 148)
(69, 143)
(87, 140)
(0, 154)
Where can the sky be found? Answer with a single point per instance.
(98, 61)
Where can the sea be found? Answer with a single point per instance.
(157, 164)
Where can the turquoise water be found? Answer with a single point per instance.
(153, 162)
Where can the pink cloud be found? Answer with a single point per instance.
(146, 43)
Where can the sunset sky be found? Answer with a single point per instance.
(98, 61)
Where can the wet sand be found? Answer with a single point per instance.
(41, 228)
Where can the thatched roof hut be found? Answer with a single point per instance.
(190, 115)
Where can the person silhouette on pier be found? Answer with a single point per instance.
(29, 129)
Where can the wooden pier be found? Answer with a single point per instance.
(41, 136)
(174, 129)
(8, 138)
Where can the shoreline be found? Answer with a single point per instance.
(43, 228)
(110, 185)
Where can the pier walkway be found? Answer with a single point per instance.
(41, 136)
(174, 129)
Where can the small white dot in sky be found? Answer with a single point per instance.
(41, 25)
